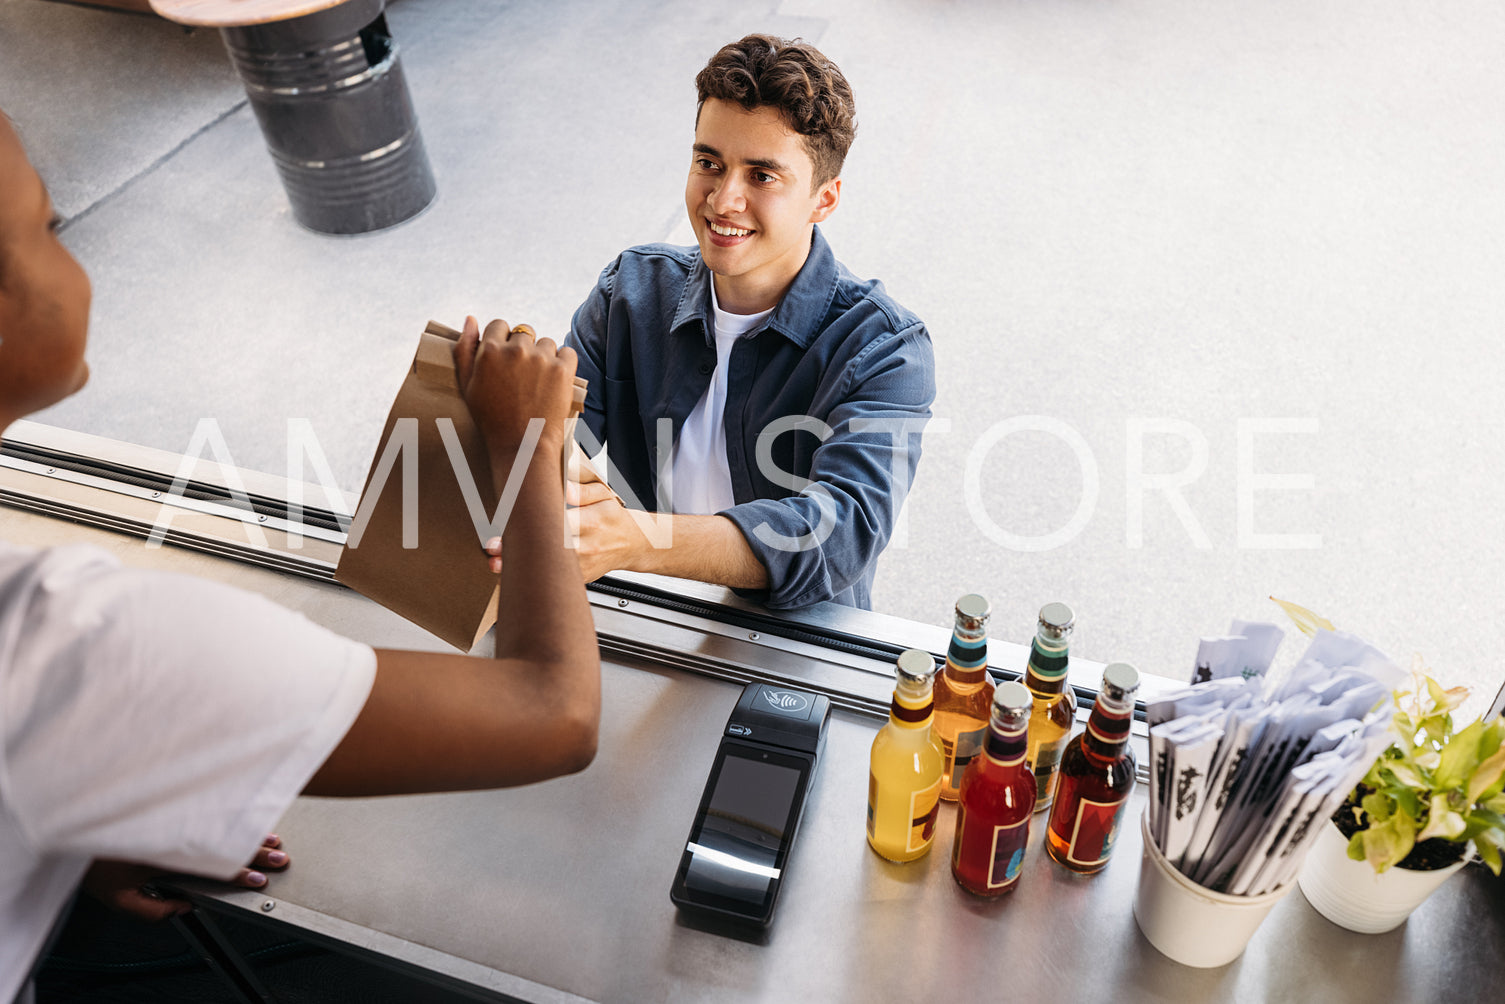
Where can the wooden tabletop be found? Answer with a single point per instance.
(234, 13)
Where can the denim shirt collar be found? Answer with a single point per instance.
(799, 313)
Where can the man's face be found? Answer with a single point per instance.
(751, 204)
(44, 294)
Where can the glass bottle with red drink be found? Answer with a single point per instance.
(1096, 777)
(996, 801)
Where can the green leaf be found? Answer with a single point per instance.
(1485, 775)
(1384, 845)
(1459, 758)
(1437, 729)
(1402, 724)
(1488, 845)
(1492, 743)
(1407, 800)
(1490, 818)
(1408, 775)
(1442, 821)
(1356, 846)
(1435, 692)
(1306, 622)
(1377, 805)
(1445, 700)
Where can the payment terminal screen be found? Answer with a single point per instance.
(735, 848)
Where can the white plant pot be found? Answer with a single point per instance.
(1352, 894)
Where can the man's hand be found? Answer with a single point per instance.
(609, 538)
(131, 888)
(583, 486)
(509, 376)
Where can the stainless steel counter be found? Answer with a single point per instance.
(565, 885)
(560, 890)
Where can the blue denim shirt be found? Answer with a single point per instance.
(825, 405)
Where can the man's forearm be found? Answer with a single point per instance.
(707, 549)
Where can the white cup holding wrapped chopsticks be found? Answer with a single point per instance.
(1188, 923)
(1244, 772)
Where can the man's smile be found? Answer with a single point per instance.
(729, 231)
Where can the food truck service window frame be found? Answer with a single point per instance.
(249, 517)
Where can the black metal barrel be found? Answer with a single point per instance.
(333, 104)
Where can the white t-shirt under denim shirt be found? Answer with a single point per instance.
(151, 717)
(700, 480)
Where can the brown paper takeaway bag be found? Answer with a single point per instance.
(443, 584)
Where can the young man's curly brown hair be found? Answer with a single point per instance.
(794, 77)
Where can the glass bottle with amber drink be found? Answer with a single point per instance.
(904, 774)
(1097, 775)
(963, 693)
(1054, 710)
(996, 802)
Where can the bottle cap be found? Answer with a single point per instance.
(973, 611)
(1012, 697)
(1057, 621)
(916, 665)
(1120, 679)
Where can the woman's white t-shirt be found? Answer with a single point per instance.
(151, 717)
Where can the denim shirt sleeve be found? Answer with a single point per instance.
(588, 338)
(826, 540)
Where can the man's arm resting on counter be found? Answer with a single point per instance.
(704, 548)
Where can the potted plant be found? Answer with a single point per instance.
(1409, 823)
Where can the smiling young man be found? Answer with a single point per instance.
(752, 386)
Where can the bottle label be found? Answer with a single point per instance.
(1047, 759)
(872, 804)
(1005, 748)
(1045, 786)
(1008, 853)
(968, 653)
(1094, 831)
(1108, 729)
(961, 753)
(1047, 665)
(1005, 855)
(967, 661)
(924, 805)
(910, 718)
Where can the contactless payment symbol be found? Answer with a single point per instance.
(785, 701)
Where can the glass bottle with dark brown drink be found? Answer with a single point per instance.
(1054, 711)
(963, 693)
(996, 801)
(1097, 776)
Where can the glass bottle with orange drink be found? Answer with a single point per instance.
(963, 692)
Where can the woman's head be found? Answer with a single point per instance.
(44, 293)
